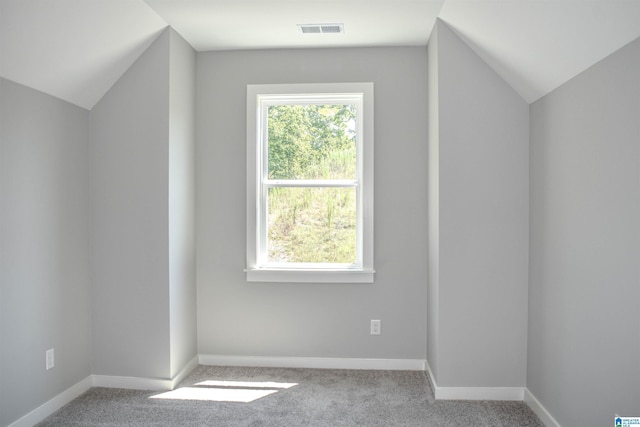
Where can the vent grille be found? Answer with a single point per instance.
(331, 28)
(321, 28)
(310, 29)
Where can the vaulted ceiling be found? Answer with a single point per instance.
(76, 49)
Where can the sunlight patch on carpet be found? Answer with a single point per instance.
(247, 384)
(226, 391)
(215, 394)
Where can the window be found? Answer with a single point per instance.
(310, 183)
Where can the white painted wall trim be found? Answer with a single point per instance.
(427, 368)
(133, 383)
(474, 393)
(191, 365)
(314, 362)
(441, 393)
(479, 393)
(51, 406)
(542, 413)
(139, 383)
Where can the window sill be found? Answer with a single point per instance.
(309, 276)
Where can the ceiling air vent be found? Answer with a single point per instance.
(321, 28)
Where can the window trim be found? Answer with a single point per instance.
(362, 273)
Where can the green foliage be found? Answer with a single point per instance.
(316, 225)
(311, 142)
(312, 225)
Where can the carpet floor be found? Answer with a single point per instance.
(266, 397)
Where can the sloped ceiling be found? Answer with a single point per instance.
(73, 49)
(76, 49)
(537, 45)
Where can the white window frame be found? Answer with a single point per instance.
(259, 97)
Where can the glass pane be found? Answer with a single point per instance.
(311, 225)
(312, 142)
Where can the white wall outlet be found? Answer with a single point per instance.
(375, 327)
(50, 359)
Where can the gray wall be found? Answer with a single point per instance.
(481, 220)
(130, 239)
(182, 272)
(316, 320)
(44, 248)
(143, 142)
(584, 328)
(433, 196)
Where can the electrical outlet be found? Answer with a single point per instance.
(50, 359)
(375, 327)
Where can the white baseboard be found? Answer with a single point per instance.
(314, 362)
(474, 393)
(138, 383)
(479, 393)
(542, 413)
(441, 393)
(190, 366)
(51, 406)
(133, 383)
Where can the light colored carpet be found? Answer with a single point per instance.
(290, 397)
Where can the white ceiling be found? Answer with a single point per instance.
(76, 49)
(259, 24)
